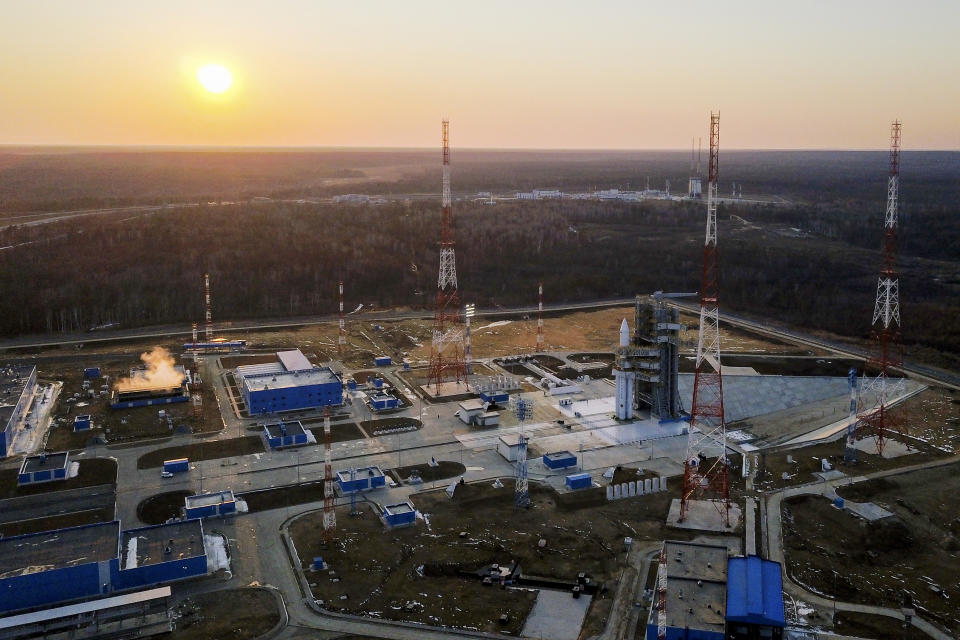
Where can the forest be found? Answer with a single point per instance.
(813, 266)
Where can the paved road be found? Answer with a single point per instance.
(42, 505)
(775, 545)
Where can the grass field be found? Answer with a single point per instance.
(235, 614)
(202, 451)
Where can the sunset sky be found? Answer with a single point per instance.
(510, 74)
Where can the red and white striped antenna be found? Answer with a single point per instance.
(329, 512)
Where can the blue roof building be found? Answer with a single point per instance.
(754, 598)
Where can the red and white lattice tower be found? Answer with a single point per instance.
(540, 316)
(209, 316)
(662, 595)
(342, 338)
(877, 420)
(447, 350)
(329, 514)
(708, 431)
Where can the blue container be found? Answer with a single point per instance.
(91, 373)
(317, 563)
(178, 465)
(406, 366)
(378, 383)
(578, 481)
(81, 423)
(838, 502)
(382, 361)
(352, 384)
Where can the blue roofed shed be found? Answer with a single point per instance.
(755, 592)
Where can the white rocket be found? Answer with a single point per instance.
(625, 379)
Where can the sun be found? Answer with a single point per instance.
(215, 78)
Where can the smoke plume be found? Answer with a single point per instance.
(159, 372)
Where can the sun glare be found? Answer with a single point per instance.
(214, 78)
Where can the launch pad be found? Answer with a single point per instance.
(704, 515)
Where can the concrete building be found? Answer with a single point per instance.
(17, 386)
(285, 434)
(78, 563)
(208, 505)
(292, 383)
(695, 600)
(474, 412)
(508, 446)
(559, 460)
(363, 479)
(399, 515)
(382, 401)
(45, 467)
(711, 596)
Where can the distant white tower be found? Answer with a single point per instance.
(626, 378)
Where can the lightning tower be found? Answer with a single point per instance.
(877, 421)
(447, 357)
(342, 338)
(329, 514)
(521, 496)
(662, 596)
(708, 430)
(540, 316)
(209, 316)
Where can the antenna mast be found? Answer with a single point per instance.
(878, 421)
(342, 338)
(209, 318)
(447, 357)
(540, 341)
(707, 426)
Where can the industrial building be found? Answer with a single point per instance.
(81, 423)
(475, 413)
(708, 595)
(17, 386)
(382, 401)
(41, 569)
(285, 434)
(45, 467)
(292, 383)
(140, 392)
(208, 505)
(559, 460)
(363, 479)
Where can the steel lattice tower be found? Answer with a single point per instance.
(662, 595)
(447, 353)
(877, 421)
(708, 429)
(329, 513)
(209, 316)
(342, 338)
(540, 316)
(521, 495)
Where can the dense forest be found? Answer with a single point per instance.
(812, 266)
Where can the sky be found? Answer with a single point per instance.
(508, 74)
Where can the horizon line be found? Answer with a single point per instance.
(299, 148)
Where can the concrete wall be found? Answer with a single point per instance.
(159, 573)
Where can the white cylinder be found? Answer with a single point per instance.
(609, 493)
(616, 492)
(633, 489)
(656, 485)
(663, 484)
(646, 485)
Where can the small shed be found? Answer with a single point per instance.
(364, 479)
(81, 423)
(45, 467)
(207, 505)
(91, 373)
(508, 446)
(399, 515)
(578, 481)
(559, 460)
(382, 361)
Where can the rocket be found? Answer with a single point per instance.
(624, 334)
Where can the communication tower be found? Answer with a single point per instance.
(708, 430)
(447, 356)
(877, 420)
(209, 315)
(522, 408)
(540, 341)
(342, 338)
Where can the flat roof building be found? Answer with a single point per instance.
(695, 600)
(44, 467)
(285, 434)
(291, 383)
(17, 385)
